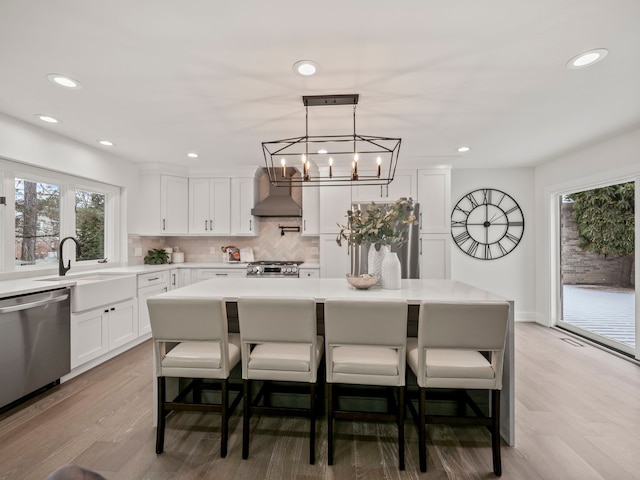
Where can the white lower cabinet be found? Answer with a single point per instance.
(149, 284)
(95, 332)
(435, 256)
(179, 277)
(334, 259)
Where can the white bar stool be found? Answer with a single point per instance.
(205, 351)
(365, 344)
(459, 346)
(279, 343)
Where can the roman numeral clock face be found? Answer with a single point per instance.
(487, 224)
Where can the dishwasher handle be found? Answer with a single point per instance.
(38, 303)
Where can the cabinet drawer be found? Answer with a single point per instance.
(309, 272)
(206, 273)
(156, 278)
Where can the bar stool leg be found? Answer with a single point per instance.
(312, 419)
(401, 412)
(161, 416)
(224, 412)
(495, 432)
(422, 444)
(246, 417)
(329, 424)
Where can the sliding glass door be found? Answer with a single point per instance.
(597, 257)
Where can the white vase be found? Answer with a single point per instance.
(391, 272)
(375, 258)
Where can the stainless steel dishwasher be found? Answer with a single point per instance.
(34, 342)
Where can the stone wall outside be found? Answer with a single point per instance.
(580, 267)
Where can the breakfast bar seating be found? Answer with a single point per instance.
(459, 346)
(412, 294)
(204, 350)
(278, 344)
(365, 345)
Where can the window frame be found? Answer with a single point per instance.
(9, 171)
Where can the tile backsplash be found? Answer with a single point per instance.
(270, 244)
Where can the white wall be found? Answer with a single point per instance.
(25, 143)
(610, 161)
(512, 276)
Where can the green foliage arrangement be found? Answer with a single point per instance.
(605, 218)
(156, 256)
(380, 224)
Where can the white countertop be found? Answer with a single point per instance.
(413, 291)
(21, 286)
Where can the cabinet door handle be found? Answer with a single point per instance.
(205, 225)
(153, 279)
(250, 225)
(221, 274)
(210, 224)
(164, 289)
(164, 224)
(420, 221)
(112, 308)
(420, 246)
(380, 191)
(173, 281)
(304, 225)
(387, 191)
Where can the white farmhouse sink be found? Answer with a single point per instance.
(92, 290)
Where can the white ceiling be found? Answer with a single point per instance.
(164, 77)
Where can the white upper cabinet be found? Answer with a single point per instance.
(434, 196)
(243, 197)
(174, 205)
(209, 205)
(310, 210)
(403, 185)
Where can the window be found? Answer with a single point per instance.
(43, 207)
(90, 221)
(37, 222)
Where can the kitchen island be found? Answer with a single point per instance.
(412, 291)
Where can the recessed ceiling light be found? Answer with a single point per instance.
(306, 68)
(463, 149)
(587, 58)
(106, 143)
(192, 155)
(48, 118)
(64, 81)
(322, 151)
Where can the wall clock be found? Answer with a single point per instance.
(487, 224)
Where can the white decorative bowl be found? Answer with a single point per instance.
(362, 282)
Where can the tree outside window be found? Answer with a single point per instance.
(37, 222)
(90, 224)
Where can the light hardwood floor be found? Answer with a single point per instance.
(577, 417)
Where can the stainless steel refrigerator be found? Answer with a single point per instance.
(408, 254)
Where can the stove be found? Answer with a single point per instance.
(273, 269)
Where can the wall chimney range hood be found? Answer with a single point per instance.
(279, 202)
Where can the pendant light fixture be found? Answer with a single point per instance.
(345, 159)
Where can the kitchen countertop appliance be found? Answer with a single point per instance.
(273, 269)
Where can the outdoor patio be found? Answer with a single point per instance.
(607, 311)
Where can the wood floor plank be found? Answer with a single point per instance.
(577, 417)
